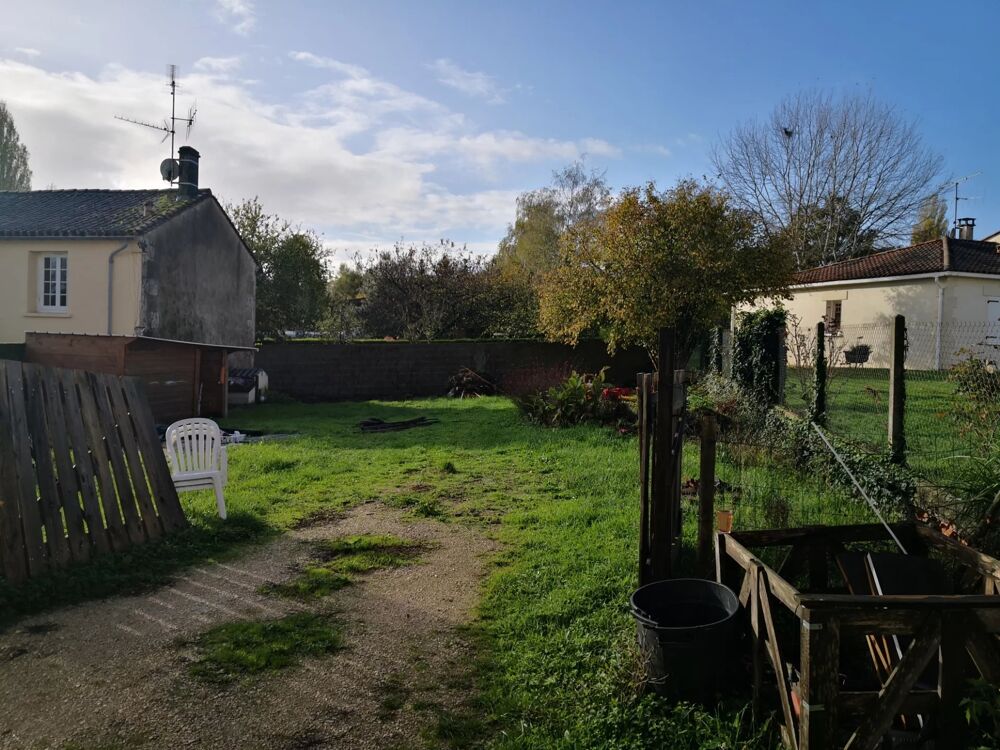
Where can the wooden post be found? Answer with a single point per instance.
(706, 494)
(819, 686)
(678, 406)
(818, 414)
(644, 387)
(951, 680)
(897, 392)
(661, 518)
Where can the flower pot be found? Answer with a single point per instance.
(724, 521)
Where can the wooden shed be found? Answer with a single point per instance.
(182, 378)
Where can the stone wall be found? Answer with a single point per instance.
(315, 371)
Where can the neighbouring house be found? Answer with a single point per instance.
(154, 283)
(948, 289)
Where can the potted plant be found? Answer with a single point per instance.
(858, 354)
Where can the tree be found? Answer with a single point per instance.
(852, 162)
(680, 258)
(291, 271)
(531, 245)
(932, 220)
(343, 320)
(15, 174)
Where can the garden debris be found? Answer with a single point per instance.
(470, 383)
(374, 424)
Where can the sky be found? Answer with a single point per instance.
(375, 122)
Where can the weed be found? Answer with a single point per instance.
(336, 561)
(449, 468)
(245, 648)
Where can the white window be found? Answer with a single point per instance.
(53, 283)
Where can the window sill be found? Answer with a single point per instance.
(48, 315)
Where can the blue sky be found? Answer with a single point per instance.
(377, 121)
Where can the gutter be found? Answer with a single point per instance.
(111, 281)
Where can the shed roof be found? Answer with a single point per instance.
(89, 213)
(936, 256)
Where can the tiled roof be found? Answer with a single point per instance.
(965, 256)
(88, 213)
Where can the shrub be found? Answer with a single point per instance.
(757, 352)
(976, 403)
(578, 399)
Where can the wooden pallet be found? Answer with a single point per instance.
(81, 469)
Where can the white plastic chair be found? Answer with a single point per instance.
(197, 457)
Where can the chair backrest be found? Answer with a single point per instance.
(194, 445)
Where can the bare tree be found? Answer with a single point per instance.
(15, 174)
(830, 177)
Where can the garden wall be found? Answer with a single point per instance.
(318, 371)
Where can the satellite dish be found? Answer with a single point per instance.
(169, 169)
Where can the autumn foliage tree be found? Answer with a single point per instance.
(680, 258)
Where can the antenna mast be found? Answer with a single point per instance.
(957, 199)
(169, 126)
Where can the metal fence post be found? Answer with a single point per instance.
(897, 392)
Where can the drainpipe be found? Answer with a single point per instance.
(946, 267)
(940, 318)
(111, 281)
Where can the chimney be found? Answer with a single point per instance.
(187, 174)
(966, 228)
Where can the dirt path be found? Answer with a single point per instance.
(113, 674)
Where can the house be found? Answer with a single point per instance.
(948, 289)
(156, 283)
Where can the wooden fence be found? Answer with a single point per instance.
(81, 469)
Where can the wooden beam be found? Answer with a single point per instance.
(782, 590)
(706, 493)
(774, 652)
(819, 686)
(985, 564)
(879, 719)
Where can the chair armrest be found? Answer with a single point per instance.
(224, 461)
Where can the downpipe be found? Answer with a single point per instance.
(111, 282)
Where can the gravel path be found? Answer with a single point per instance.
(112, 674)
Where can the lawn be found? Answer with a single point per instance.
(858, 409)
(557, 667)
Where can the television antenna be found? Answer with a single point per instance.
(169, 126)
(958, 182)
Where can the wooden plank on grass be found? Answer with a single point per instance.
(116, 455)
(165, 494)
(83, 462)
(150, 521)
(114, 524)
(66, 482)
(28, 503)
(41, 449)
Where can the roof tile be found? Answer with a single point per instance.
(88, 213)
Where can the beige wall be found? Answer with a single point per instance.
(868, 309)
(87, 289)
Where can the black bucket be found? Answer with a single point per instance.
(685, 627)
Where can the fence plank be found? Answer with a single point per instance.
(69, 490)
(41, 448)
(114, 525)
(642, 404)
(165, 494)
(140, 485)
(126, 497)
(29, 503)
(897, 392)
(83, 460)
(13, 549)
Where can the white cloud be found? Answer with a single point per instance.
(354, 157)
(28, 51)
(218, 64)
(239, 14)
(468, 82)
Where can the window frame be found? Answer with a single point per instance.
(833, 326)
(60, 284)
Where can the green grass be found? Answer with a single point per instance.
(246, 648)
(557, 666)
(858, 409)
(336, 562)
